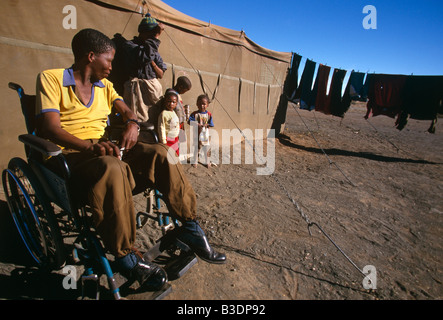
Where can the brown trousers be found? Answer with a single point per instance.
(109, 183)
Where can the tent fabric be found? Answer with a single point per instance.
(36, 35)
(173, 17)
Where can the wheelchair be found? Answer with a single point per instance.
(56, 227)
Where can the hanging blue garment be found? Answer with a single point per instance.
(305, 93)
(356, 83)
(291, 83)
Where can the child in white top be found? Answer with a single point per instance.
(204, 120)
(168, 122)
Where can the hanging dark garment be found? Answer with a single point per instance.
(423, 96)
(365, 89)
(304, 92)
(322, 100)
(356, 85)
(291, 83)
(337, 106)
(385, 95)
(423, 100)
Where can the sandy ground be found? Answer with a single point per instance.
(376, 192)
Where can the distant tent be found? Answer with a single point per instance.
(35, 35)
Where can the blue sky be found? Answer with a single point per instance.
(408, 38)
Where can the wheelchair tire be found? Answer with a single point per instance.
(33, 215)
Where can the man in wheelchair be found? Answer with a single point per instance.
(72, 108)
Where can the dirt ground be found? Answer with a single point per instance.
(375, 191)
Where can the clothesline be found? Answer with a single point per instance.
(396, 96)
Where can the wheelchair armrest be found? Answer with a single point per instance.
(146, 125)
(147, 132)
(44, 146)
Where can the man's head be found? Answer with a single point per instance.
(94, 50)
(90, 40)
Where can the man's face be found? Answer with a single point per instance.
(101, 64)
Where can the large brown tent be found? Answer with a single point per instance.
(36, 35)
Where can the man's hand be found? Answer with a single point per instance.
(103, 148)
(129, 135)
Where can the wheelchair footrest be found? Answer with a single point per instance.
(175, 256)
(168, 242)
(128, 287)
(179, 265)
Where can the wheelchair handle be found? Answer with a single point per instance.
(16, 87)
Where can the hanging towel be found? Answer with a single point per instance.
(322, 100)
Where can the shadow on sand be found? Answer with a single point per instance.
(286, 140)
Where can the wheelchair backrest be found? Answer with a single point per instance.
(54, 180)
(27, 103)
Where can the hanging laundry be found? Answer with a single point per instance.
(345, 101)
(304, 93)
(385, 95)
(291, 83)
(365, 89)
(423, 100)
(356, 85)
(322, 100)
(337, 106)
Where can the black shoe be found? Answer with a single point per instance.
(150, 276)
(193, 236)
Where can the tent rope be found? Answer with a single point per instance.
(321, 148)
(297, 206)
(384, 137)
(393, 144)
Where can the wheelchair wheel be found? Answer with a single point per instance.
(33, 215)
